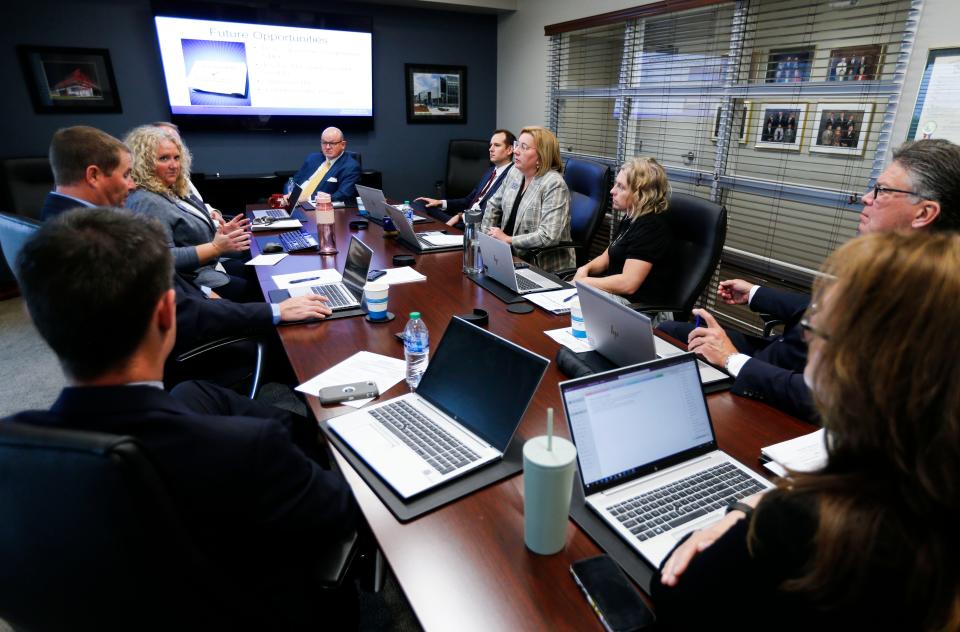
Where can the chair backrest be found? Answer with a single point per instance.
(26, 182)
(587, 182)
(90, 540)
(466, 162)
(699, 229)
(356, 156)
(14, 232)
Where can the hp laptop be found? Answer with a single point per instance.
(375, 204)
(279, 218)
(343, 295)
(420, 242)
(498, 258)
(648, 456)
(449, 426)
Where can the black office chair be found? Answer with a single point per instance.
(26, 182)
(466, 162)
(699, 230)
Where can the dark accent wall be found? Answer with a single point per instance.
(411, 157)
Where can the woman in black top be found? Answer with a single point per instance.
(643, 236)
(870, 540)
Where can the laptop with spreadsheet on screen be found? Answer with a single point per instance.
(647, 455)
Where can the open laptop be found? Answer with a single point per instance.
(450, 425)
(420, 242)
(647, 453)
(375, 204)
(343, 295)
(625, 336)
(498, 258)
(278, 218)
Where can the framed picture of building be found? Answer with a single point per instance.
(69, 79)
(436, 94)
(780, 125)
(855, 63)
(841, 128)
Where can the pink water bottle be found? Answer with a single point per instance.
(326, 234)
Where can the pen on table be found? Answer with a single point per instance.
(566, 300)
(305, 280)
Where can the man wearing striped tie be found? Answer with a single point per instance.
(334, 171)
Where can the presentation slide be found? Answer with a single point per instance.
(214, 67)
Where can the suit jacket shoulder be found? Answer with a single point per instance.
(55, 204)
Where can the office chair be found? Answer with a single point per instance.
(228, 356)
(14, 232)
(466, 162)
(699, 230)
(26, 182)
(587, 182)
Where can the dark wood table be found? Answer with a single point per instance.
(465, 566)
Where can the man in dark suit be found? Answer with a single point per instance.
(501, 155)
(254, 503)
(919, 190)
(90, 168)
(333, 171)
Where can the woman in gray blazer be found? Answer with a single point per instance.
(531, 209)
(161, 170)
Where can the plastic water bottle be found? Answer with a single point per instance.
(288, 187)
(416, 349)
(408, 211)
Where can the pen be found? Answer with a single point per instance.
(697, 324)
(305, 280)
(569, 297)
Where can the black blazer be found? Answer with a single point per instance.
(200, 319)
(460, 204)
(56, 204)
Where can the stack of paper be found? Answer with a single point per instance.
(806, 453)
(363, 365)
(403, 274)
(554, 301)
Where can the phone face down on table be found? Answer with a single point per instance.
(614, 599)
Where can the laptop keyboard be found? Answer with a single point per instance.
(436, 446)
(297, 240)
(526, 284)
(276, 214)
(337, 296)
(671, 506)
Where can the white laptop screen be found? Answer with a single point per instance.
(632, 421)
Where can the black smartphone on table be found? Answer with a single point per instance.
(616, 602)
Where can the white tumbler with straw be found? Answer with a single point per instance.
(548, 464)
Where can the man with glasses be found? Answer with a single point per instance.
(919, 190)
(333, 171)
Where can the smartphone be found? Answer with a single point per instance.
(614, 599)
(373, 275)
(348, 392)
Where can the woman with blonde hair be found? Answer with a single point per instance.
(643, 237)
(198, 240)
(869, 541)
(531, 209)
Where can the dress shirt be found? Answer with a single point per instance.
(497, 172)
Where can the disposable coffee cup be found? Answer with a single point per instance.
(375, 296)
(547, 487)
(577, 326)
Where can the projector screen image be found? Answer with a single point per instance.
(213, 67)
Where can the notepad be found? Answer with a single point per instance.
(806, 453)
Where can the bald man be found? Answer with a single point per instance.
(333, 171)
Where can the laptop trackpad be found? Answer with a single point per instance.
(373, 436)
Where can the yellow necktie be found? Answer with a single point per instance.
(314, 181)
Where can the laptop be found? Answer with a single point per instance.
(498, 259)
(420, 242)
(625, 336)
(375, 203)
(346, 294)
(451, 425)
(647, 453)
(278, 218)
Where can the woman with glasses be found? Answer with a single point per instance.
(869, 540)
(643, 237)
(531, 209)
(207, 250)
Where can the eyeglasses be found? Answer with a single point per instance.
(517, 146)
(810, 332)
(878, 190)
(331, 143)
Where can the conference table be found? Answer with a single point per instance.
(464, 566)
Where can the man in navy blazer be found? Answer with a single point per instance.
(331, 171)
(252, 500)
(919, 190)
(501, 155)
(90, 168)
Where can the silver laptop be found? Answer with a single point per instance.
(420, 242)
(647, 453)
(625, 336)
(348, 292)
(450, 426)
(375, 204)
(498, 258)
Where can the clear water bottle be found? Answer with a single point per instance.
(472, 262)
(288, 187)
(416, 349)
(361, 209)
(408, 211)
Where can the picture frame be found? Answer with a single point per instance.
(741, 122)
(436, 94)
(855, 63)
(63, 80)
(788, 65)
(854, 121)
(780, 126)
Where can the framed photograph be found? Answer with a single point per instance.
(855, 63)
(935, 114)
(841, 128)
(789, 65)
(69, 79)
(780, 126)
(741, 117)
(436, 94)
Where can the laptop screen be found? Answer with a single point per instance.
(293, 197)
(482, 381)
(636, 420)
(357, 265)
